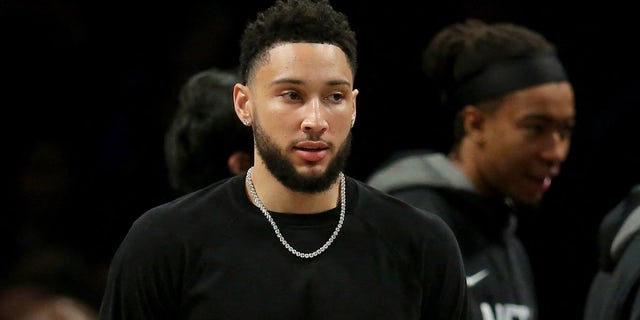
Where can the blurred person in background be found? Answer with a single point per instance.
(615, 290)
(205, 141)
(514, 115)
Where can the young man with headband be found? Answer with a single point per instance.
(514, 116)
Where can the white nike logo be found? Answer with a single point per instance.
(473, 279)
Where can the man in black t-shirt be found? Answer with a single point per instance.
(293, 238)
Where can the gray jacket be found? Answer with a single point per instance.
(499, 277)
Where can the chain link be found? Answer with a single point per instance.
(343, 201)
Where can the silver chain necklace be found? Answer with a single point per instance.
(343, 201)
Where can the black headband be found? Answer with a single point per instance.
(506, 76)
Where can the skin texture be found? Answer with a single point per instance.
(519, 148)
(301, 103)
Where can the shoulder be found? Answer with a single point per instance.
(401, 169)
(616, 291)
(191, 215)
(396, 215)
(163, 237)
(617, 229)
(418, 237)
(433, 199)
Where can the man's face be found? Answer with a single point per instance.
(303, 104)
(526, 141)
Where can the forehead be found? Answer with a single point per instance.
(305, 61)
(552, 100)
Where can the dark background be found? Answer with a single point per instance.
(89, 89)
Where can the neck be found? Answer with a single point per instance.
(277, 197)
(464, 158)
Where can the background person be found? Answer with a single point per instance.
(615, 289)
(206, 142)
(514, 114)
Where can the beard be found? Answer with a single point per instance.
(277, 162)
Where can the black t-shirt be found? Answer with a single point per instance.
(213, 255)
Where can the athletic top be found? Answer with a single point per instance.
(499, 276)
(212, 254)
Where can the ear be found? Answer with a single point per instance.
(241, 103)
(239, 162)
(353, 112)
(474, 122)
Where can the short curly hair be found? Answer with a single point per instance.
(295, 21)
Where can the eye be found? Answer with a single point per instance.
(336, 97)
(292, 95)
(535, 128)
(565, 132)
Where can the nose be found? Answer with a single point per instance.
(314, 121)
(557, 148)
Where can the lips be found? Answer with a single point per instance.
(542, 184)
(312, 150)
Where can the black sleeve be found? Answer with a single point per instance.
(448, 295)
(143, 281)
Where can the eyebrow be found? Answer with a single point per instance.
(546, 118)
(332, 83)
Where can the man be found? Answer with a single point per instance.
(206, 142)
(293, 238)
(515, 113)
